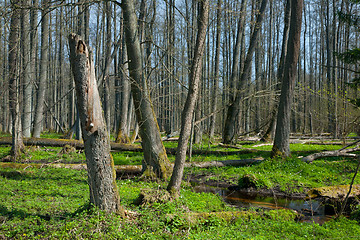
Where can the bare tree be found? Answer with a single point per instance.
(281, 142)
(155, 161)
(13, 61)
(216, 70)
(100, 165)
(26, 76)
(40, 100)
(187, 114)
(232, 116)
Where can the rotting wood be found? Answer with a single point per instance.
(335, 192)
(100, 164)
(114, 146)
(337, 153)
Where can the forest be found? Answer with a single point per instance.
(198, 119)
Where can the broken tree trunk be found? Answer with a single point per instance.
(337, 153)
(100, 165)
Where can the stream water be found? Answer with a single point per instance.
(312, 210)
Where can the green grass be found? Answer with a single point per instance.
(52, 203)
(291, 175)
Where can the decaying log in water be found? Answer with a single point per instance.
(337, 153)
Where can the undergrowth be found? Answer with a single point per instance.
(52, 203)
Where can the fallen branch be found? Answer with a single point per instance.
(337, 153)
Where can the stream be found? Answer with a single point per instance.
(312, 210)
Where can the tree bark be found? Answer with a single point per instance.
(155, 160)
(13, 61)
(187, 114)
(101, 174)
(122, 135)
(281, 145)
(216, 71)
(39, 109)
(27, 82)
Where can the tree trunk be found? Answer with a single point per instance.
(27, 83)
(13, 61)
(236, 56)
(231, 121)
(106, 68)
(155, 160)
(216, 71)
(187, 114)
(39, 110)
(101, 174)
(122, 134)
(281, 142)
(267, 135)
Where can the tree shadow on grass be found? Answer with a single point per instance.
(18, 213)
(22, 175)
(21, 214)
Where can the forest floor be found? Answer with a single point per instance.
(43, 202)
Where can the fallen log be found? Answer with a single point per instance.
(229, 146)
(120, 169)
(131, 169)
(335, 192)
(233, 163)
(114, 146)
(172, 151)
(71, 142)
(336, 153)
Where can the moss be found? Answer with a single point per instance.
(120, 209)
(335, 192)
(151, 196)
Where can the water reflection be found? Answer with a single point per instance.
(312, 210)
